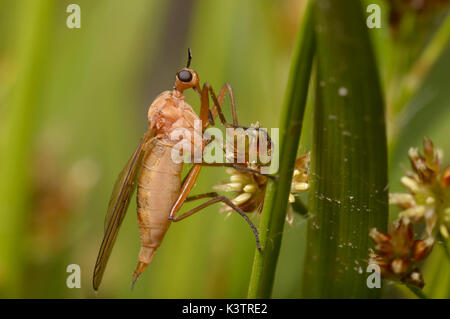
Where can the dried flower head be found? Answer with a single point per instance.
(300, 178)
(249, 188)
(426, 202)
(244, 147)
(398, 253)
(428, 197)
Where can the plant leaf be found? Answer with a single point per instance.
(348, 193)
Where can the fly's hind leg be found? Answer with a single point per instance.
(215, 198)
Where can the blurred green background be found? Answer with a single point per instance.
(73, 105)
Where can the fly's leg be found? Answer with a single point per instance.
(186, 186)
(205, 113)
(215, 198)
(151, 142)
(217, 109)
(220, 97)
(206, 118)
(241, 168)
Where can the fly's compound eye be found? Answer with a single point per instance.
(185, 76)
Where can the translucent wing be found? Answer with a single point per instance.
(118, 204)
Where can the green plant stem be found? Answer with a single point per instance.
(417, 291)
(417, 75)
(299, 206)
(274, 213)
(431, 53)
(445, 243)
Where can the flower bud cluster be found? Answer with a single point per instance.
(427, 203)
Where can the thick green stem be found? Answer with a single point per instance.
(348, 183)
(274, 213)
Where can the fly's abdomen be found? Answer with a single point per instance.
(159, 184)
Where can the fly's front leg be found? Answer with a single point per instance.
(206, 116)
(217, 109)
(215, 198)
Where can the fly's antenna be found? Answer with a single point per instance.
(189, 58)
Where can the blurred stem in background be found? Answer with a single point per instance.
(405, 85)
(275, 205)
(17, 134)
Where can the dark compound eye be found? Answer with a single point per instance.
(185, 76)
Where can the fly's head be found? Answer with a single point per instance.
(187, 79)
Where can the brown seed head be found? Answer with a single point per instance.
(445, 180)
(399, 266)
(422, 248)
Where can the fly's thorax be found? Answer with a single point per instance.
(171, 117)
(170, 111)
